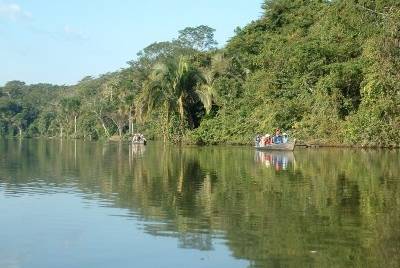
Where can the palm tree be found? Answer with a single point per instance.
(171, 84)
(206, 90)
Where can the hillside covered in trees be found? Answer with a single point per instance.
(325, 71)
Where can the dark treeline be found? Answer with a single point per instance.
(326, 71)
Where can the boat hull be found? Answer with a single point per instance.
(140, 142)
(277, 147)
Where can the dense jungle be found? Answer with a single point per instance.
(326, 72)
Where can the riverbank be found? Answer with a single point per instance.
(303, 144)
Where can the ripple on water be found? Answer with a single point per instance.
(37, 187)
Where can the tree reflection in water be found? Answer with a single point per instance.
(330, 208)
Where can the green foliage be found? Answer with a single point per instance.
(199, 38)
(321, 70)
(325, 71)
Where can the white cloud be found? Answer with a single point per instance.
(13, 12)
(73, 33)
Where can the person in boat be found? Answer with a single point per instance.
(267, 140)
(142, 138)
(258, 140)
(137, 137)
(277, 139)
(285, 138)
(262, 141)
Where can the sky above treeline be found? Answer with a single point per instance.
(61, 42)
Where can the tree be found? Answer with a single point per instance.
(206, 90)
(71, 108)
(99, 107)
(17, 115)
(10, 112)
(45, 120)
(171, 84)
(200, 38)
(120, 101)
(14, 89)
(326, 71)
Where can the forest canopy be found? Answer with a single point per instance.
(325, 71)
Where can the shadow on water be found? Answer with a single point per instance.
(324, 208)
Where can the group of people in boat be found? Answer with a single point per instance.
(277, 138)
(139, 138)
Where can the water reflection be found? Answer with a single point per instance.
(329, 208)
(137, 149)
(276, 160)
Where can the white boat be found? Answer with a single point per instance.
(139, 139)
(289, 146)
(144, 142)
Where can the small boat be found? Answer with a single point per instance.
(139, 139)
(144, 142)
(289, 146)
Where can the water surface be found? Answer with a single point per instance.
(82, 204)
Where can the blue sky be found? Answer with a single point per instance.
(62, 41)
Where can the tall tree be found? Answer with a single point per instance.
(206, 90)
(172, 84)
(71, 107)
(14, 89)
(200, 38)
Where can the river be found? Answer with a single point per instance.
(92, 204)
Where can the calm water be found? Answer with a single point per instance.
(77, 204)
